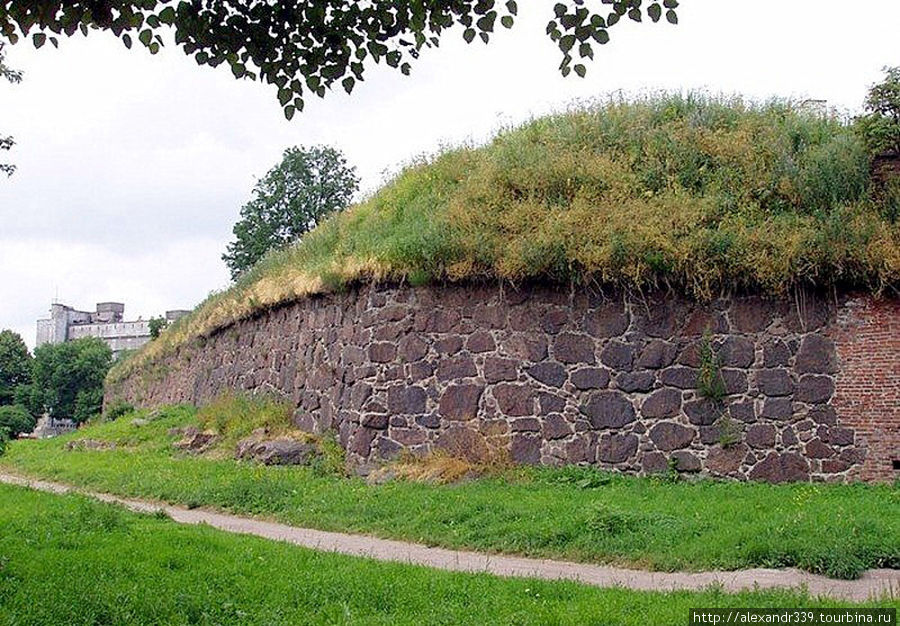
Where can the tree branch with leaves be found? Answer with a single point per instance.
(304, 47)
(6, 142)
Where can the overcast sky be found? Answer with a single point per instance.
(133, 168)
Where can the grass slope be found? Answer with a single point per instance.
(68, 560)
(695, 192)
(575, 513)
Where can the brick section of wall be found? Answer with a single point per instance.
(554, 377)
(867, 389)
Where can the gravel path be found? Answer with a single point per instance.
(873, 584)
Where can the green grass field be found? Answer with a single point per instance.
(69, 560)
(575, 513)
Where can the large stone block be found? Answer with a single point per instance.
(464, 443)
(607, 320)
(817, 355)
(555, 426)
(657, 354)
(514, 400)
(480, 341)
(608, 409)
(760, 436)
(736, 351)
(726, 460)
(617, 355)
(456, 368)
(616, 447)
(549, 373)
(590, 378)
(781, 468)
(635, 381)
(775, 382)
(662, 403)
(814, 389)
(408, 400)
(525, 347)
(776, 353)
(460, 402)
(525, 449)
(681, 377)
(703, 411)
(671, 436)
(383, 352)
(497, 369)
(574, 348)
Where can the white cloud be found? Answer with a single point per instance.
(35, 271)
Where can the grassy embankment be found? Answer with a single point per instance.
(693, 192)
(70, 560)
(574, 513)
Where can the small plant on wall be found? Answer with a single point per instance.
(709, 379)
(711, 385)
(729, 431)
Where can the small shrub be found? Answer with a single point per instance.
(729, 431)
(99, 516)
(117, 410)
(612, 522)
(607, 520)
(157, 325)
(235, 415)
(581, 476)
(889, 199)
(15, 420)
(332, 460)
(709, 378)
(671, 475)
(4, 439)
(442, 467)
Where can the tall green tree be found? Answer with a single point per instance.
(881, 123)
(15, 365)
(68, 378)
(306, 47)
(295, 195)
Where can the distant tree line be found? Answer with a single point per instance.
(62, 380)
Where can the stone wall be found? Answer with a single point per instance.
(554, 376)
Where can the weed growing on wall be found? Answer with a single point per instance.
(710, 383)
(729, 431)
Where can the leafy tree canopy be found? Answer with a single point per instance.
(68, 378)
(294, 196)
(881, 124)
(15, 365)
(157, 324)
(308, 46)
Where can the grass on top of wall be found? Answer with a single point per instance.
(574, 513)
(695, 192)
(70, 560)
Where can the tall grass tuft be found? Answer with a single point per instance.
(235, 416)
